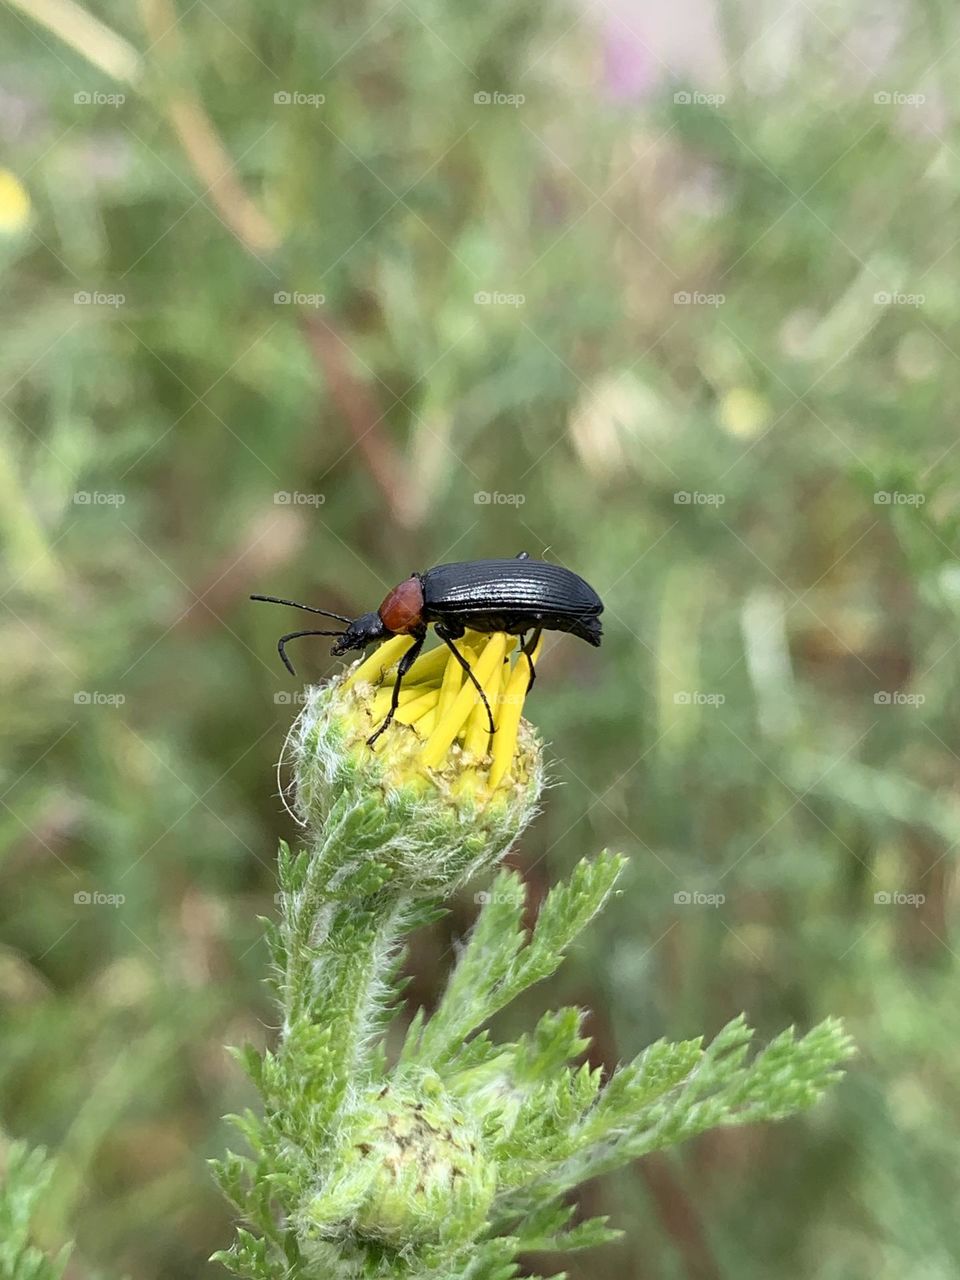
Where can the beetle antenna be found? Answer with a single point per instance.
(295, 635)
(309, 608)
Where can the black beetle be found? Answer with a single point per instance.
(521, 597)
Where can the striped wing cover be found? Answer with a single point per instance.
(482, 585)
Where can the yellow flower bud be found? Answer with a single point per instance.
(450, 798)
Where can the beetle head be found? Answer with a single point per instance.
(366, 629)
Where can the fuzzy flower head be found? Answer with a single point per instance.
(446, 797)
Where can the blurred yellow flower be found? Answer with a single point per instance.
(744, 413)
(14, 204)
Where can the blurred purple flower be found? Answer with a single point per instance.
(628, 66)
(644, 44)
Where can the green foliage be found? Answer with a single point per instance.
(23, 1182)
(798, 599)
(499, 963)
(362, 1170)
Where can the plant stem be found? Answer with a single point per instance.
(337, 956)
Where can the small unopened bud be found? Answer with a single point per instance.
(428, 1179)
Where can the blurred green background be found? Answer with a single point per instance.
(299, 300)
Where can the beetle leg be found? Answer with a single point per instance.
(403, 666)
(527, 646)
(295, 635)
(444, 636)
